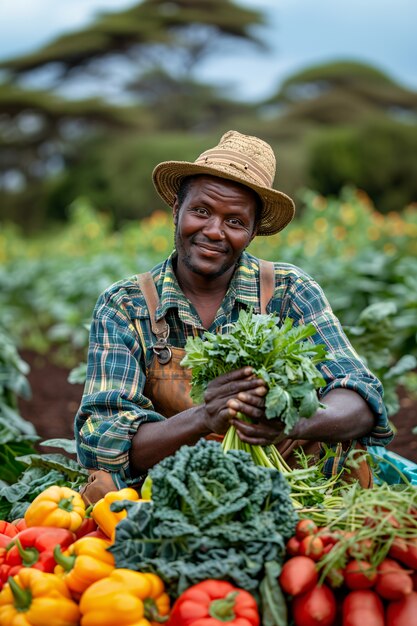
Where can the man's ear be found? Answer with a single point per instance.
(175, 209)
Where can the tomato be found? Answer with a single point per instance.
(329, 537)
(298, 575)
(393, 581)
(304, 528)
(316, 607)
(292, 547)
(360, 575)
(403, 612)
(405, 552)
(311, 546)
(363, 607)
(361, 549)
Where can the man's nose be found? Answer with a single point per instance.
(213, 227)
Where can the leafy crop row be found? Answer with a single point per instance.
(365, 262)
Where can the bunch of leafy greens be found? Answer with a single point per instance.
(212, 515)
(281, 355)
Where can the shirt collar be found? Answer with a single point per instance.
(243, 288)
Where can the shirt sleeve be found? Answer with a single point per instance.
(308, 304)
(113, 405)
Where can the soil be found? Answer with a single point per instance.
(55, 401)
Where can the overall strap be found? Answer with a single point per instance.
(267, 282)
(159, 328)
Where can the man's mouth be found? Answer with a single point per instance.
(210, 248)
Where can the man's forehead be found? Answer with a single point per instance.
(202, 181)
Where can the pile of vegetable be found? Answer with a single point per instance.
(281, 355)
(219, 542)
(215, 529)
(56, 568)
(360, 567)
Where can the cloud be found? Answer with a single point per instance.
(25, 26)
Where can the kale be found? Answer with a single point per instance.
(212, 515)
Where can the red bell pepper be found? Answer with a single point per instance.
(4, 570)
(97, 533)
(8, 529)
(20, 523)
(214, 603)
(34, 547)
(4, 541)
(88, 525)
(7, 532)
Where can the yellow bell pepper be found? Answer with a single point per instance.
(106, 519)
(125, 598)
(84, 562)
(56, 506)
(35, 598)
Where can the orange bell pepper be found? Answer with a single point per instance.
(56, 506)
(125, 598)
(83, 563)
(106, 519)
(35, 598)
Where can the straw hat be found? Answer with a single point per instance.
(241, 158)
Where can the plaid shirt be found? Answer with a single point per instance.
(113, 405)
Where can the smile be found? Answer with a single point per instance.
(209, 250)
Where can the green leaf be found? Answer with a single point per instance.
(68, 445)
(78, 374)
(405, 364)
(68, 467)
(309, 404)
(273, 604)
(11, 415)
(278, 402)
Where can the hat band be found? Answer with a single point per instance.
(234, 159)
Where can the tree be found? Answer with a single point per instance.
(172, 36)
(159, 44)
(349, 123)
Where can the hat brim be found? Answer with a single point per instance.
(277, 211)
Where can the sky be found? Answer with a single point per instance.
(300, 33)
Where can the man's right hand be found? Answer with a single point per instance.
(237, 391)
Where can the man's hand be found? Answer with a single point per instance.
(237, 391)
(346, 416)
(263, 432)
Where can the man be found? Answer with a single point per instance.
(140, 326)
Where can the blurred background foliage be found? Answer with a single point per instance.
(343, 123)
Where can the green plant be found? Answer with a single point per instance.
(372, 336)
(17, 435)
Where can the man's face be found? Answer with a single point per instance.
(214, 224)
